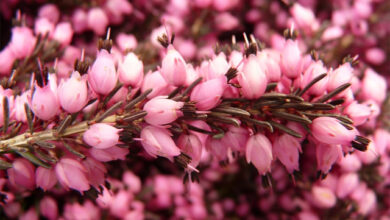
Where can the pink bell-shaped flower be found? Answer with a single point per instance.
(63, 33)
(207, 94)
(75, 100)
(22, 42)
(329, 131)
(162, 111)
(158, 142)
(286, 149)
(48, 208)
(22, 174)
(101, 136)
(327, 155)
(291, 59)
(252, 79)
(259, 152)
(72, 174)
(97, 20)
(173, 67)
(45, 103)
(131, 70)
(102, 76)
(190, 145)
(45, 178)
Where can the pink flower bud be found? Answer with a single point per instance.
(173, 67)
(190, 145)
(109, 154)
(252, 79)
(329, 131)
(158, 142)
(131, 70)
(45, 178)
(95, 171)
(120, 204)
(97, 21)
(291, 59)
(22, 42)
(7, 58)
(162, 111)
(101, 136)
(374, 86)
(49, 11)
(286, 149)
(156, 82)
(236, 138)
(224, 5)
(216, 147)
(226, 22)
(304, 18)
(116, 9)
(315, 69)
(63, 33)
(45, 103)
(271, 66)
(323, 197)
(76, 211)
(105, 198)
(341, 75)
(347, 184)
(79, 20)
(332, 33)
(126, 41)
(30, 214)
(259, 152)
(48, 208)
(102, 76)
(359, 113)
(132, 181)
(375, 56)
(22, 174)
(43, 26)
(72, 174)
(327, 155)
(187, 48)
(350, 163)
(368, 203)
(73, 101)
(207, 94)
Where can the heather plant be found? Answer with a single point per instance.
(201, 109)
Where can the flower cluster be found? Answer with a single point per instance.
(185, 115)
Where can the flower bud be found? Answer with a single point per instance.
(341, 75)
(291, 59)
(22, 42)
(190, 145)
(22, 174)
(45, 178)
(63, 33)
(102, 76)
(126, 41)
(207, 94)
(346, 184)
(252, 79)
(75, 100)
(286, 149)
(156, 82)
(49, 11)
(235, 138)
(359, 113)
(95, 171)
(131, 70)
(259, 152)
(72, 174)
(327, 155)
(373, 86)
(109, 154)
(48, 208)
(323, 197)
(7, 58)
(43, 26)
(314, 70)
(101, 136)
(79, 20)
(329, 131)
(45, 103)
(173, 67)
(158, 142)
(97, 21)
(162, 111)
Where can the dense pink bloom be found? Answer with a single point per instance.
(291, 59)
(101, 136)
(162, 111)
(158, 142)
(286, 148)
(73, 93)
(97, 21)
(102, 76)
(48, 208)
(329, 131)
(72, 174)
(131, 70)
(207, 94)
(173, 67)
(259, 152)
(45, 178)
(252, 79)
(22, 42)
(22, 174)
